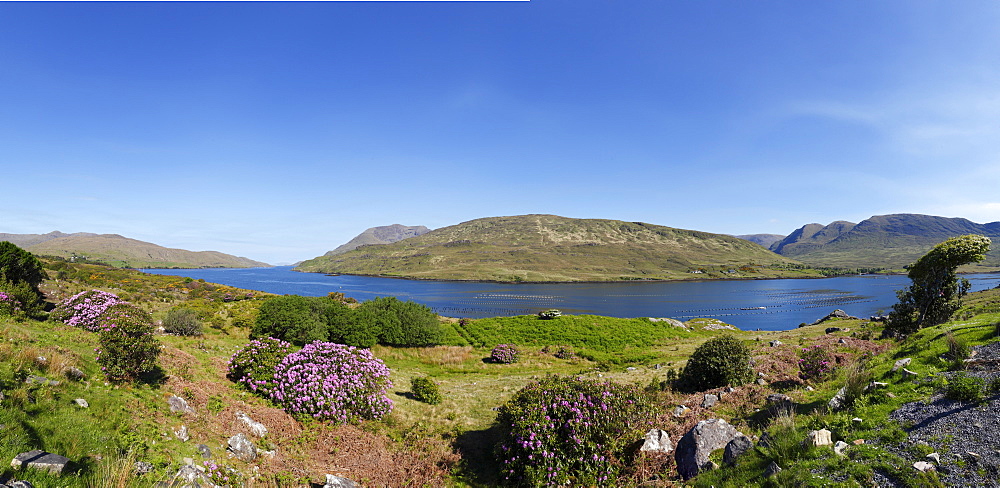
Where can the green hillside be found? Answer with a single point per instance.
(882, 241)
(121, 251)
(552, 248)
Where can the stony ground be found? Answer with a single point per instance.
(966, 436)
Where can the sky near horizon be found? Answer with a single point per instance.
(278, 131)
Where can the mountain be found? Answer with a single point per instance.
(765, 240)
(386, 234)
(553, 248)
(123, 252)
(883, 241)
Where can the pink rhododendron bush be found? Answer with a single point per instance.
(333, 382)
(85, 308)
(127, 349)
(254, 365)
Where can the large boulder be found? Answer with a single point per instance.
(698, 443)
(179, 405)
(39, 459)
(334, 481)
(241, 448)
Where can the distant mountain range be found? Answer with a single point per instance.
(386, 234)
(765, 240)
(121, 251)
(882, 241)
(553, 248)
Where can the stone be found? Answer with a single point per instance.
(831, 330)
(776, 343)
(256, 428)
(839, 447)
(842, 341)
(630, 368)
(39, 459)
(736, 448)
(838, 400)
(761, 382)
(934, 457)
(819, 438)
(858, 442)
(730, 389)
(902, 363)
(698, 443)
(765, 440)
(973, 456)
(20, 484)
(179, 405)
(205, 452)
(80, 402)
(190, 476)
(656, 440)
(709, 401)
(877, 385)
(74, 373)
(241, 448)
(333, 481)
(681, 410)
(857, 420)
(923, 466)
(772, 469)
(142, 467)
(907, 374)
(181, 433)
(40, 380)
(809, 388)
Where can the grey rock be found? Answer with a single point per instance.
(256, 428)
(907, 374)
(20, 484)
(333, 481)
(80, 402)
(772, 469)
(839, 447)
(736, 448)
(142, 467)
(182, 434)
(709, 401)
(934, 457)
(241, 448)
(902, 363)
(40, 380)
(698, 443)
(838, 400)
(819, 438)
(761, 382)
(809, 388)
(877, 385)
(75, 374)
(923, 466)
(205, 451)
(776, 343)
(842, 341)
(190, 476)
(831, 330)
(656, 440)
(681, 410)
(39, 459)
(179, 405)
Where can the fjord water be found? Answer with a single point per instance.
(747, 304)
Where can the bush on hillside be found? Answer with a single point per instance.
(425, 390)
(127, 349)
(182, 321)
(29, 301)
(85, 309)
(815, 363)
(402, 324)
(333, 382)
(293, 318)
(254, 365)
(9, 306)
(20, 266)
(505, 354)
(569, 431)
(964, 388)
(720, 361)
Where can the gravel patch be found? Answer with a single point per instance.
(965, 435)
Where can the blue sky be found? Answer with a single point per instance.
(279, 131)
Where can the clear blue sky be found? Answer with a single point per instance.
(278, 131)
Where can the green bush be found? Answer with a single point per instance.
(425, 390)
(958, 351)
(293, 318)
(253, 366)
(570, 431)
(127, 349)
(402, 324)
(182, 321)
(964, 388)
(29, 301)
(20, 266)
(720, 361)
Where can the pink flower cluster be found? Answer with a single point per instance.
(8, 304)
(333, 382)
(85, 308)
(505, 354)
(815, 363)
(253, 366)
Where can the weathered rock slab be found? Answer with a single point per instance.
(39, 459)
(694, 448)
(241, 448)
(256, 428)
(656, 440)
(333, 481)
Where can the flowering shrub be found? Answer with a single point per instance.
(223, 475)
(505, 354)
(569, 431)
(127, 346)
(815, 363)
(425, 390)
(254, 365)
(333, 381)
(85, 308)
(8, 305)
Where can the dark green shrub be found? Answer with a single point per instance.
(182, 321)
(29, 301)
(254, 365)
(127, 349)
(964, 388)
(720, 361)
(569, 431)
(425, 390)
(351, 327)
(20, 266)
(403, 324)
(293, 318)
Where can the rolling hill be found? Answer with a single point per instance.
(553, 248)
(121, 251)
(386, 234)
(883, 241)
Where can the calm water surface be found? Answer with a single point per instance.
(755, 304)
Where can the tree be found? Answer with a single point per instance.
(19, 266)
(936, 291)
(293, 318)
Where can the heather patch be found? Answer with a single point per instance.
(85, 308)
(505, 354)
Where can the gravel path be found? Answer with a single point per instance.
(966, 436)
